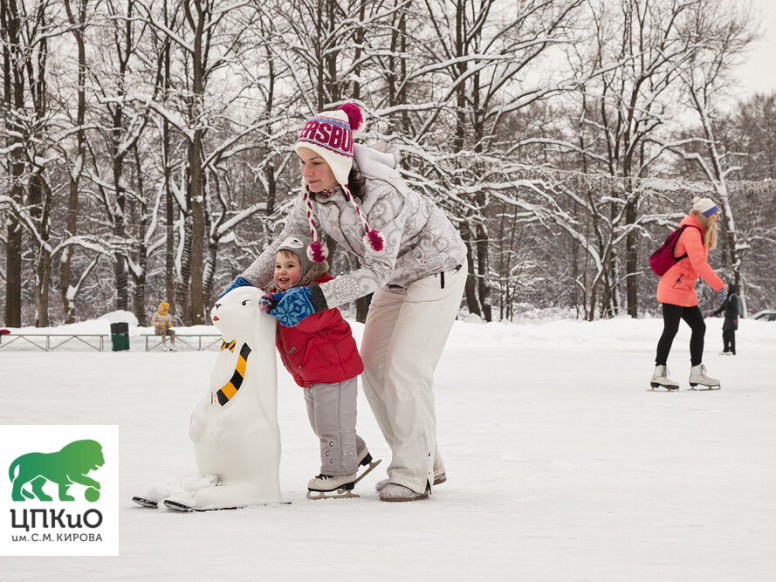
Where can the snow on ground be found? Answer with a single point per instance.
(561, 464)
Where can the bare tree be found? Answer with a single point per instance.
(481, 49)
(724, 32)
(14, 106)
(26, 31)
(754, 125)
(640, 48)
(120, 129)
(77, 13)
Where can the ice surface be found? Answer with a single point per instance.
(561, 464)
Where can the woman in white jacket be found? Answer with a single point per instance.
(413, 260)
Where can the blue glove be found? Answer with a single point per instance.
(296, 304)
(238, 282)
(722, 295)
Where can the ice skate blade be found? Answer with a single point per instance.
(143, 502)
(346, 490)
(655, 387)
(702, 388)
(367, 469)
(334, 494)
(177, 507)
(183, 508)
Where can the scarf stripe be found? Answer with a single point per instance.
(227, 392)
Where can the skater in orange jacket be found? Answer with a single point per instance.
(676, 293)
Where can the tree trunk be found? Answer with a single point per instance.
(632, 261)
(470, 291)
(198, 233)
(65, 275)
(39, 204)
(13, 265)
(169, 211)
(119, 257)
(182, 284)
(14, 101)
(197, 178)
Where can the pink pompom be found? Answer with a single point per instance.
(374, 240)
(317, 251)
(355, 117)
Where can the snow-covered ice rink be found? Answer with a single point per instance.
(562, 465)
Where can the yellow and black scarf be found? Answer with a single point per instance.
(229, 389)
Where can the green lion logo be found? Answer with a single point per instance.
(65, 467)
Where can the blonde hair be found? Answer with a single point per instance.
(710, 236)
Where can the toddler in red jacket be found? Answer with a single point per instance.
(321, 355)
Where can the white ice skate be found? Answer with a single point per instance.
(342, 484)
(698, 377)
(329, 487)
(660, 379)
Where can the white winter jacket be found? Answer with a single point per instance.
(419, 238)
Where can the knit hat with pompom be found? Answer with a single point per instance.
(330, 135)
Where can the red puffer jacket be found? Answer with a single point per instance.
(320, 348)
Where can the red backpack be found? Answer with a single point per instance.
(663, 258)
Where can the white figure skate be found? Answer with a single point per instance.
(698, 377)
(660, 379)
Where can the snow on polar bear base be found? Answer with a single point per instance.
(234, 428)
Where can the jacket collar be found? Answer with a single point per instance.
(692, 220)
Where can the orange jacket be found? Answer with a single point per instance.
(677, 285)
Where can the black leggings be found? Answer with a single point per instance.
(671, 316)
(729, 341)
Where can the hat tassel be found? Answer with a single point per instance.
(317, 251)
(374, 240)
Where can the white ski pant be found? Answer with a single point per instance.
(405, 332)
(331, 409)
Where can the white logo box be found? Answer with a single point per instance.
(86, 526)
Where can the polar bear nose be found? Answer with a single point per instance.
(217, 305)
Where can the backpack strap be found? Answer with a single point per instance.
(676, 240)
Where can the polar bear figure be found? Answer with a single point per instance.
(235, 427)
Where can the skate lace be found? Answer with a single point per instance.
(324, 477)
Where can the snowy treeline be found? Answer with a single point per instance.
(147, 144)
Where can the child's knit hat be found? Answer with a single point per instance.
(296, 244)
(705, 206)
(163, 306)
(330, 135)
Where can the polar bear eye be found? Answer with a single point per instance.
(246, 301)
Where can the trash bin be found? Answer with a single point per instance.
(119, 336)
